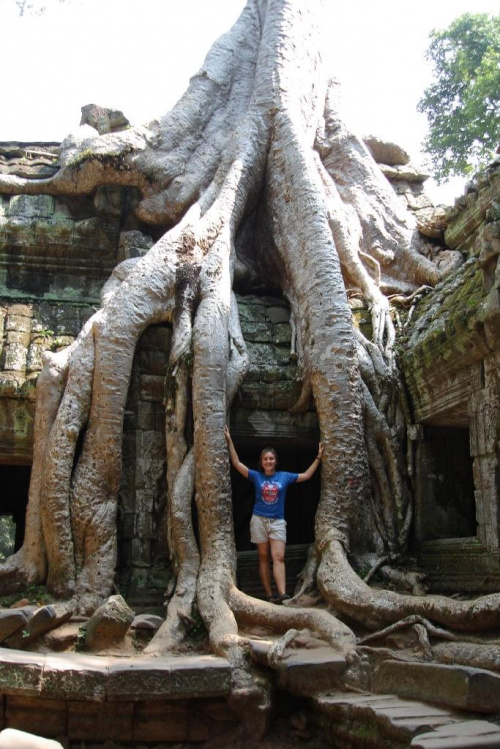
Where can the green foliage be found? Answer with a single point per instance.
(463, 104)
(37, 595)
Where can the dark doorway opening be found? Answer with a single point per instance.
(301, 499)
(447, 505)
(15, 481)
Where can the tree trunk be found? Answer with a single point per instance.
(258, 127)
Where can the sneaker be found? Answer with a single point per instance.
(272, 599)
(282, 597)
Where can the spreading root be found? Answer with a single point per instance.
(254, 115)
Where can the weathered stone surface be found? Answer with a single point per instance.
(12, 738)
(21, 673)
(155, 720)
(382, 720)
(148, 622)
(43, 619)
(12, 620)
(73, 676)
(89, 721)
(179, 677)
(42, 716)
(63, 638)
(31, 206)
(109, 623)
(102, 119)
(304, 671)
(133, 244)
(474, 734)
(385, 152)
(462, 687)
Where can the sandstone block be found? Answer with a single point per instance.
(42, 716)
(462, 687)
(109, 623)
(12, 620)
(152, 388)
(148, 622)
(21, 673)
(472, 734)
(62, 638)
(174, 677)
(278, 315)
(157, 720)
(44, 619)
(133, 244)
(31, 206)
(88, 721)
(72, 676)
(385, 152)
(306, 672)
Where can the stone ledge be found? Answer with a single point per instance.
(462, 687)
(378, 720)
(304, 672)
(78, 676)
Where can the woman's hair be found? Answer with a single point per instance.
(267, 450)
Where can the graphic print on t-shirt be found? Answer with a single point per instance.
(270, 491)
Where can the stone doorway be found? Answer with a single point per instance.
(447, 507)
(15, 481)
(301, 503)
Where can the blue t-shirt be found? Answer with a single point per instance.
(270, 492)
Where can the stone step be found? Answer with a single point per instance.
(304, 671)
(472, 734)
(77, 676)
(357, 720)
(463, 687)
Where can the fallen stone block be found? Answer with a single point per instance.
(12, 620)
(463, 687)
(43, 620)
(147, 622)
(109, 623)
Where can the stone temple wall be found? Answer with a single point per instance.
(56, 254)
(451, 366)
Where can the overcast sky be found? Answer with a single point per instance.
(138, 57)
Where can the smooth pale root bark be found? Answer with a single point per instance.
(248, 611)
(377, 608)
(57, 469)
(304, 241)
(248, 121)
(174, 159)
(29, 565)
(390, 235)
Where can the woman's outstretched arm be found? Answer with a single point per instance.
(240, 467)
(312, 468)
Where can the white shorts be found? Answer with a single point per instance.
(262, 529)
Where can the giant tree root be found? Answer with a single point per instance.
(257, 139)
(346, 591)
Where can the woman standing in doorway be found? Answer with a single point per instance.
(268, 526)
